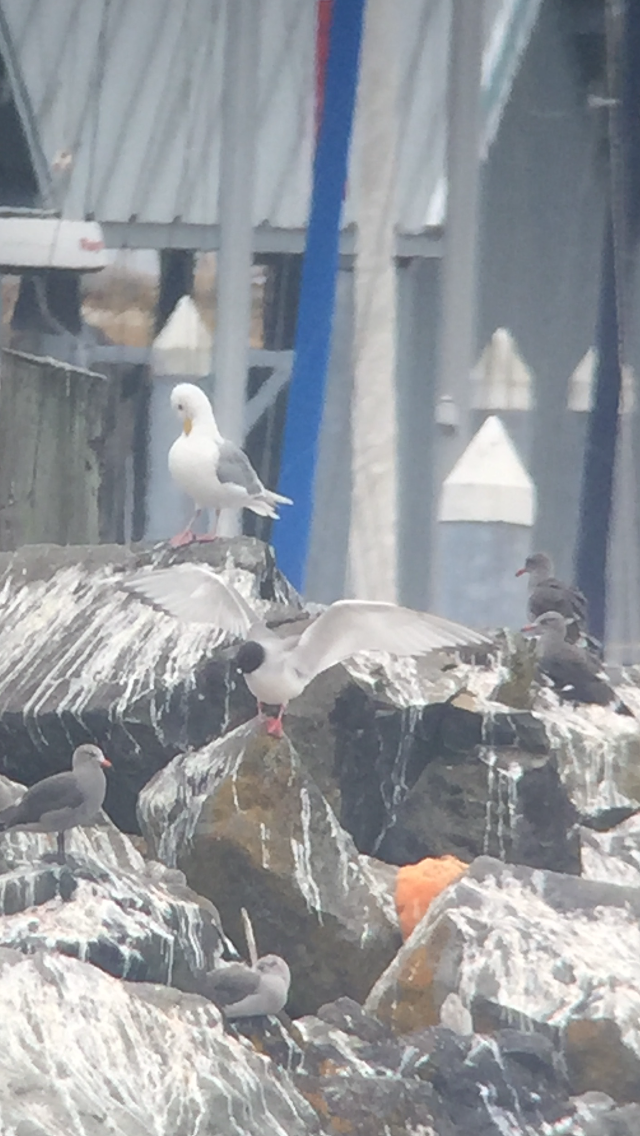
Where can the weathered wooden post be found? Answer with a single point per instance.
(57, 425)
(487, 510)
(181, 354)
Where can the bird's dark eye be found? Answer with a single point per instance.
(180, 406)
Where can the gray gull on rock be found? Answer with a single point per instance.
(575, 674)
(63, 801)
(243, 991)
(547, 593)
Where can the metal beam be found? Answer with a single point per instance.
(206, 238)
(458, 320)
(374, 434)
(237, 160)
(458, 323)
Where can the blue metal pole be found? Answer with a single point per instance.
(317, 292)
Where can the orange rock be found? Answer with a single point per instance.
(418, 884)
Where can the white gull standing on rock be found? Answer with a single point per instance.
(63, 801)
(278, 669)
(215, 473)
(243, 991)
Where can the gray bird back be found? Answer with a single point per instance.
(54, 793)
(234, 467)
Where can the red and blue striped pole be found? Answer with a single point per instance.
(339, 34)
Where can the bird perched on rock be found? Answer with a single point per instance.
(547, 593)
(575, 674)
(243, 991)
(215, 473)
(278, 669)
(63, 801)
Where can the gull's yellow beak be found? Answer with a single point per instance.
(187, 424)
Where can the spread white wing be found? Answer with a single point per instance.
(195, 594)
(349, 626)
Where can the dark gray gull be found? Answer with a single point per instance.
(215, 473)
(243, 991)
(278, 669)
(63, 801)
(547, 593)
(574, 673)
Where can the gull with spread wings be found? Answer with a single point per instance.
(278, 669)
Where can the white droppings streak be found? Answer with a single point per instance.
(187, 781)
(303, 859)
(264, 845)
(594, 747)
(526, 936)
(488, 755)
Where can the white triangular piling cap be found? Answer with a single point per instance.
(489, 482)
(183, 347)
(582, 385)
(501, 379)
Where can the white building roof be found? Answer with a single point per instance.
(121, 105)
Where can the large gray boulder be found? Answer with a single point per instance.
(555, 953)
(82, 660)
(133, 918)
(86, 1053)
(430, 760)
(249, 827)
(452, 753)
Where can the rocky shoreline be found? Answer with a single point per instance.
(513, 1006)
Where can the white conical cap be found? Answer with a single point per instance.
(501, 379)
(183, 347)
(489, 482)
(582, 385)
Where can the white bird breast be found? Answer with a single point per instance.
(276, 682)
(192, 466)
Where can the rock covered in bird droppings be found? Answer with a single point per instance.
(106, 906)
(248, 826)
(519, 945)
(428, 763)
(510, 1083)
(82, 660)
(85, 1053)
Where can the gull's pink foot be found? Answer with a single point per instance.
(274, 727)
(207, 537)
(186, 537)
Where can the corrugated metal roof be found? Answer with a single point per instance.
(126, 99)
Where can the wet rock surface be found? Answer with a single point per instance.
(106, 905)
(81, 660)
(248, 826)
(85, 1053)
(416, 757)
(518, 945)
(360, 1078)
(513, 1008)
(429, 763)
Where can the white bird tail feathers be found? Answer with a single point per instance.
(265, 504)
